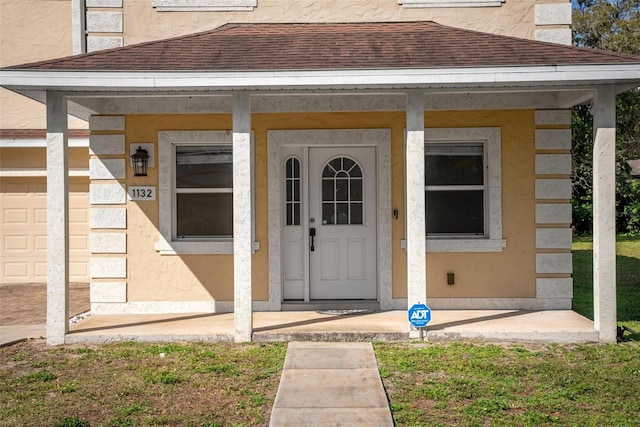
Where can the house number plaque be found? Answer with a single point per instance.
(142, 193)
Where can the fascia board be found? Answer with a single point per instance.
(311, 80)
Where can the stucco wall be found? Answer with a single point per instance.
(511, 273)
(143, 23)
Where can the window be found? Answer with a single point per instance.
(454, 191)
(463, 190)
(203, 191)
(450, 3)
(342, 201)
(196, 192)
(292, 182)
(203, 5)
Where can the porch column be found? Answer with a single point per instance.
(604, 214)
(242, 277)
(416, 224)
(57, 219)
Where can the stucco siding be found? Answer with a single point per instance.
(155, 277)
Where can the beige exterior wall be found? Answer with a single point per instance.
(155, 277)
(31, 30)
(144, 23)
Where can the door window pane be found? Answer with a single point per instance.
(292, 185)
(342, 184)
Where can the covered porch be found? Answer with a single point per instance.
(540, 78)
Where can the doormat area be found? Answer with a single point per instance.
(348, 312)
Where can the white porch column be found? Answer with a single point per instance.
(57, 220)
(604, 214)
(416, 224)
(242, 277)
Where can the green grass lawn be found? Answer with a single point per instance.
(428, 384)
(476, 384)
(628, 279)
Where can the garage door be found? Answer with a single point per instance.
(23, 227)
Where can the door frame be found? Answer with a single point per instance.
(380, 139)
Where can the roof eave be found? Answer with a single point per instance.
(302, 80)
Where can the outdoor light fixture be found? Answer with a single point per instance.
(139, 161)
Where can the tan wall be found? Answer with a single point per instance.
(511, 273)
(36, 158)
(143, 23)
(31, 30)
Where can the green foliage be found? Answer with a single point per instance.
(615, 26)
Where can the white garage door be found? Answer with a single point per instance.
(23, 227)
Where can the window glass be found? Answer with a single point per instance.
(342, 193)
(205, 215)
(454, 165)
(204, 191)
(204, 167)
(292, 184)
(454, 192)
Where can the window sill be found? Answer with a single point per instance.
(462, 245)
(164, 247)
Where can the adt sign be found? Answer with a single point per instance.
(419, 315)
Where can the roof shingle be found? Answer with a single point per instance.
(394, 45)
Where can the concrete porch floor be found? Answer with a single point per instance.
(561, 326)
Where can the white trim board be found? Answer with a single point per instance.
(400, 79)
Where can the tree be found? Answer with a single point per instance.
(609, 25)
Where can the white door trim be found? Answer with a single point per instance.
(379, 138)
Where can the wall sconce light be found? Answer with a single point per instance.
(139, 161)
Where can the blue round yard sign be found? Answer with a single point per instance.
(419, 315)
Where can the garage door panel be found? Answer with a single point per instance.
(40, 216)
(78, 243)
(23, 227)
(40, 242)
(16, 216)
(15, 243)
(78, 271)
(16, 271)
(78, 216)
(40, 272)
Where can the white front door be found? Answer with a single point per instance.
(342, 215)
(329, 247)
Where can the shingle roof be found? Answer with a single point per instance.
(259, 47)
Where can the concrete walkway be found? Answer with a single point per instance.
(330, 384)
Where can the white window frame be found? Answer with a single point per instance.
(482, 187)
(449, 3)
(168, 243)
(204, 5)
(492, 140)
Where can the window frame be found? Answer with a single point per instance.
(414, 4)
(204, 5)
(464, 187)
(168, 243)
(492, 241)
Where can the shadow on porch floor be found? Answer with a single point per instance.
(562, 326)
